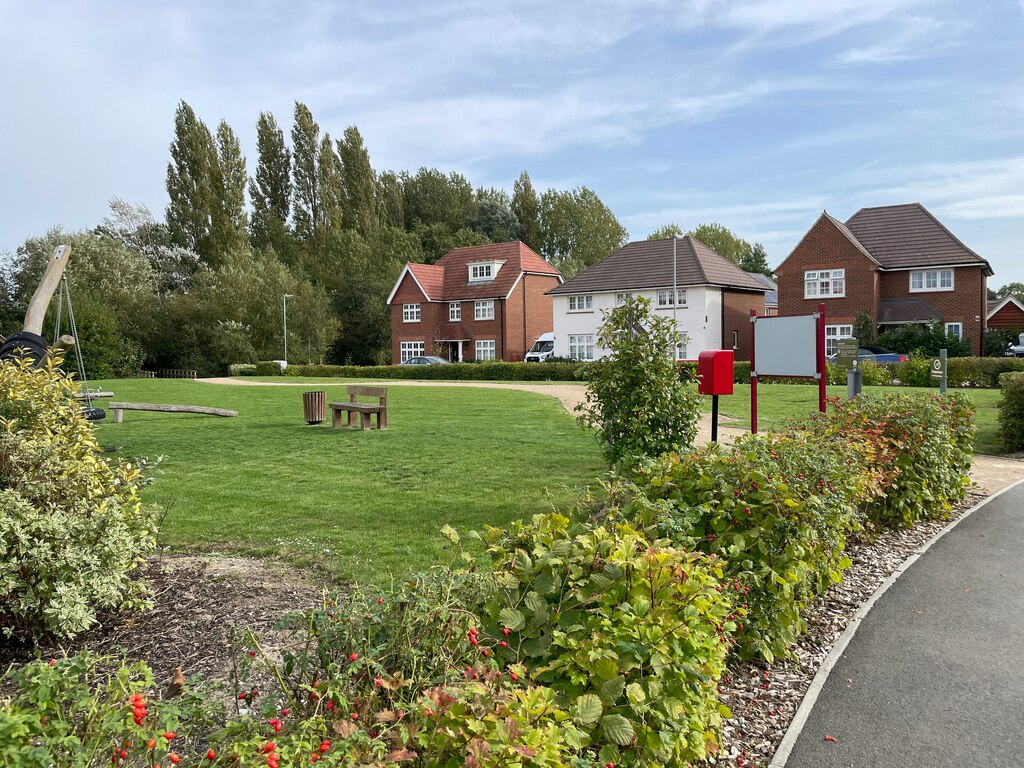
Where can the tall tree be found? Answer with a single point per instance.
(1010, 289)
(390, 205)
(431, 197)
(359, 184)
(526, 208)
(577, 230)
(756, 260)
(305, 190)
(666, 231)
(494, 219)
(270, 191)
(189, 184)
(721, 240)
(330, 215)
(229, 221)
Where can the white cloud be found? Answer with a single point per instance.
(916, 38)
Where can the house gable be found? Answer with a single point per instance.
(829, 245)
(1006, 313)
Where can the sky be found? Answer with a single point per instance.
(757, 114)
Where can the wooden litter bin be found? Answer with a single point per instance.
(313, 407)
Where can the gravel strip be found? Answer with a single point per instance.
(764, 699)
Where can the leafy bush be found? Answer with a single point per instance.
(631, 634)
(488, 371)
(775, 509)
(269, 368)
(241, 369)
(1011, 411)
(84, 711)
(998, 339)
(72, 528)
(636, 400)
(924, 342)
(921, 449)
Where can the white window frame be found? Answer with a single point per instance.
(483, 309)
(825, 283)
(833, 333)
(454, 311)
(411, 313)
(409, 349)
(479, 273)
(581, 346)
(581, 303)
(622, 298)
(665, 298)
(735, 339)
(484, 349)
(931, 280)
(959, 333)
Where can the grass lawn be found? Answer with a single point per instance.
(365, 505)
(778, 402)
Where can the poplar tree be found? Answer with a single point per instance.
(189, 184)
(270, 191)
(526, 207)
(360, 198)
(390, 207)
(305, 190)
(229, 221)
(330, 213)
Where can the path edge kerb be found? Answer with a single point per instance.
(781, 756)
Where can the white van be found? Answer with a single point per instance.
(542, 349)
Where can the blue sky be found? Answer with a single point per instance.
(754, 113)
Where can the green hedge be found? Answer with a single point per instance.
(981, 372)
(1011, 411)
(489, 371)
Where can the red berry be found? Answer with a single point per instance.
(506, 631)
(353, 656)
(151, 743)
(252, 653)
(503, 644)
(174, 757)
(355, 715)
(380, 601)
(211, 755)
(169, 735)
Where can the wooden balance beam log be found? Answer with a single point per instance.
(120, 408)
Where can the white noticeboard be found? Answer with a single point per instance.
(786, 346)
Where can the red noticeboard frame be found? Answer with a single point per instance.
(819, 358)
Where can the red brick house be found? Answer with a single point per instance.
(1006, 314)
(481, 303)
(898, 263)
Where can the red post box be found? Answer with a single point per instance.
(715, 372)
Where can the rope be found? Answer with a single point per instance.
(78, 347)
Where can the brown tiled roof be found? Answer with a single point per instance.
(895, 311)
(431, 279)
(453, 332)
(905, 236)
(849, 235)
(648, 264)
(771, 297)
(517, 256)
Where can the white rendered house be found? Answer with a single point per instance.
(711, 306)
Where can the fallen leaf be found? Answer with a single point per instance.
(830, 738)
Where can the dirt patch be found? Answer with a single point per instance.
(198, 601)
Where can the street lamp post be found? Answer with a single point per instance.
(284, 314)
(675, 293)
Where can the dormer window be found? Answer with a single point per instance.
(478, 273)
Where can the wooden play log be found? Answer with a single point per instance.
(44, 291)
(119, 409)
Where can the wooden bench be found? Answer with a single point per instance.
(120, 408)
(363, 409)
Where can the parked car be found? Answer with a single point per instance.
(425, 360)
(1016, 350)
(875, 355)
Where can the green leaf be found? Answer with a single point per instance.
(535, 602)
(450, 533)
(523, 565)
(617, 729)
(511, 618)
(635, 694)
(588, 709)
(612, 690)
(605, 669)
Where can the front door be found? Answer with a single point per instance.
(455, 351)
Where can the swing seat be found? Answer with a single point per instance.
(94, 414)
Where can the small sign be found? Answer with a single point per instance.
(937, 369)
(849, 351)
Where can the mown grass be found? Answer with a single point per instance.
(777, 403)
(364, 505)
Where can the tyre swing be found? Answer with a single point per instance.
(64, 299)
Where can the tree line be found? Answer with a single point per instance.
(203, 287)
